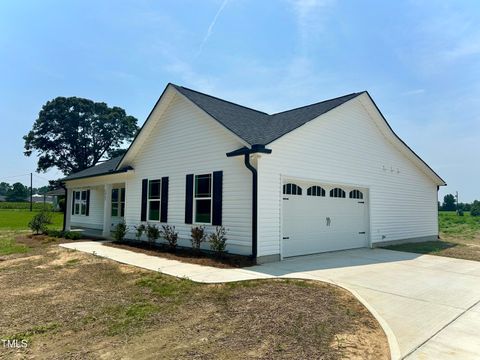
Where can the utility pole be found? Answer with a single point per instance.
(31, 192)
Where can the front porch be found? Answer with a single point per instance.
(95, 206)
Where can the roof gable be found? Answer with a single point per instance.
(249, 125)
(257, 127)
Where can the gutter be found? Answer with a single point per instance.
(246, 152)
(110, 172)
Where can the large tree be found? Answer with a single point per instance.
(18, 192)
(74, 133)
(4, 187)
(449, 203)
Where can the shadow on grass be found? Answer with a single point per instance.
(427, 247)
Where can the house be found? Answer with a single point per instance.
(327, 176)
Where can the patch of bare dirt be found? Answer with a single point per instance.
(71, 305)
(188, 256)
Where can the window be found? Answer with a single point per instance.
(315, 191)
(118, 202)
(203, 199)
(154, 200)
(80, 203)
(337, 193)
(355, 194)
(292, 189)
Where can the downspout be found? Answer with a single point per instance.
(254, 204)
(246, 152)
(65, 202)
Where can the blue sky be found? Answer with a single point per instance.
(418, 59)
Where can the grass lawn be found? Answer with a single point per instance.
(69, 304)
(19, 219)
(460, 238)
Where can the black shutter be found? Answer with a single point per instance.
(189, 199)
(73, 202)
(87, 210)
(143, 214)
(217, 198)
(164, 200)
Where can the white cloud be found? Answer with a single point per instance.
(310, 18)
(210, 28)
(413, 92)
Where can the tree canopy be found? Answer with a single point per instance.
(74, 133)
(449, 203)
(17, 192)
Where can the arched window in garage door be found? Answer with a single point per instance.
(355, 194)
(337, 193)
(315, 191)
(292, 189)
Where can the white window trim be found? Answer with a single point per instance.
(195, 222)
(119, 202)
(152, 200)
(80, 202)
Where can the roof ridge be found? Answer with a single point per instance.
(320, 102)
(217, 98)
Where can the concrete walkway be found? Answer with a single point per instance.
(429, 306)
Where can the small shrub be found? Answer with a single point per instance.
(40, 222)
(139, 230)
(475, 208)
(120, 231)
(218, 240)
(198, 236)
(72, 235)
(460, 212)
(170, 235)
(153, 233)
(55, 233)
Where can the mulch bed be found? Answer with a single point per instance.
(186, 255)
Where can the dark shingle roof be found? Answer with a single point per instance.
(104, 168)
(257, 127)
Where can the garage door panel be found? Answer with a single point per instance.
(313, 224)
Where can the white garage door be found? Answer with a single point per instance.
(319, 218)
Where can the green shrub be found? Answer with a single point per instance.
(40, 222)
(475, 208)
(153, 233)
(72, 235)
(218, 240)
(120, 231)
(55, 233)
(139, 230)
(170, 235)
(198, 236)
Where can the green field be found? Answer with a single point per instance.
(19, 219)
(25, 206)
(459, 238)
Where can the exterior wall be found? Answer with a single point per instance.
(345, 146)
(187, 141)
(95, 218)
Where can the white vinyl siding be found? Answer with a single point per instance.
(95, 218)
(187, 141)
(345, 146)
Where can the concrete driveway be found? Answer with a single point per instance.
(430, 303)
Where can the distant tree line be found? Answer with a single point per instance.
(19, 192)
(449, 204)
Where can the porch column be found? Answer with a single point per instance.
(68, 210)
(107, 210)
